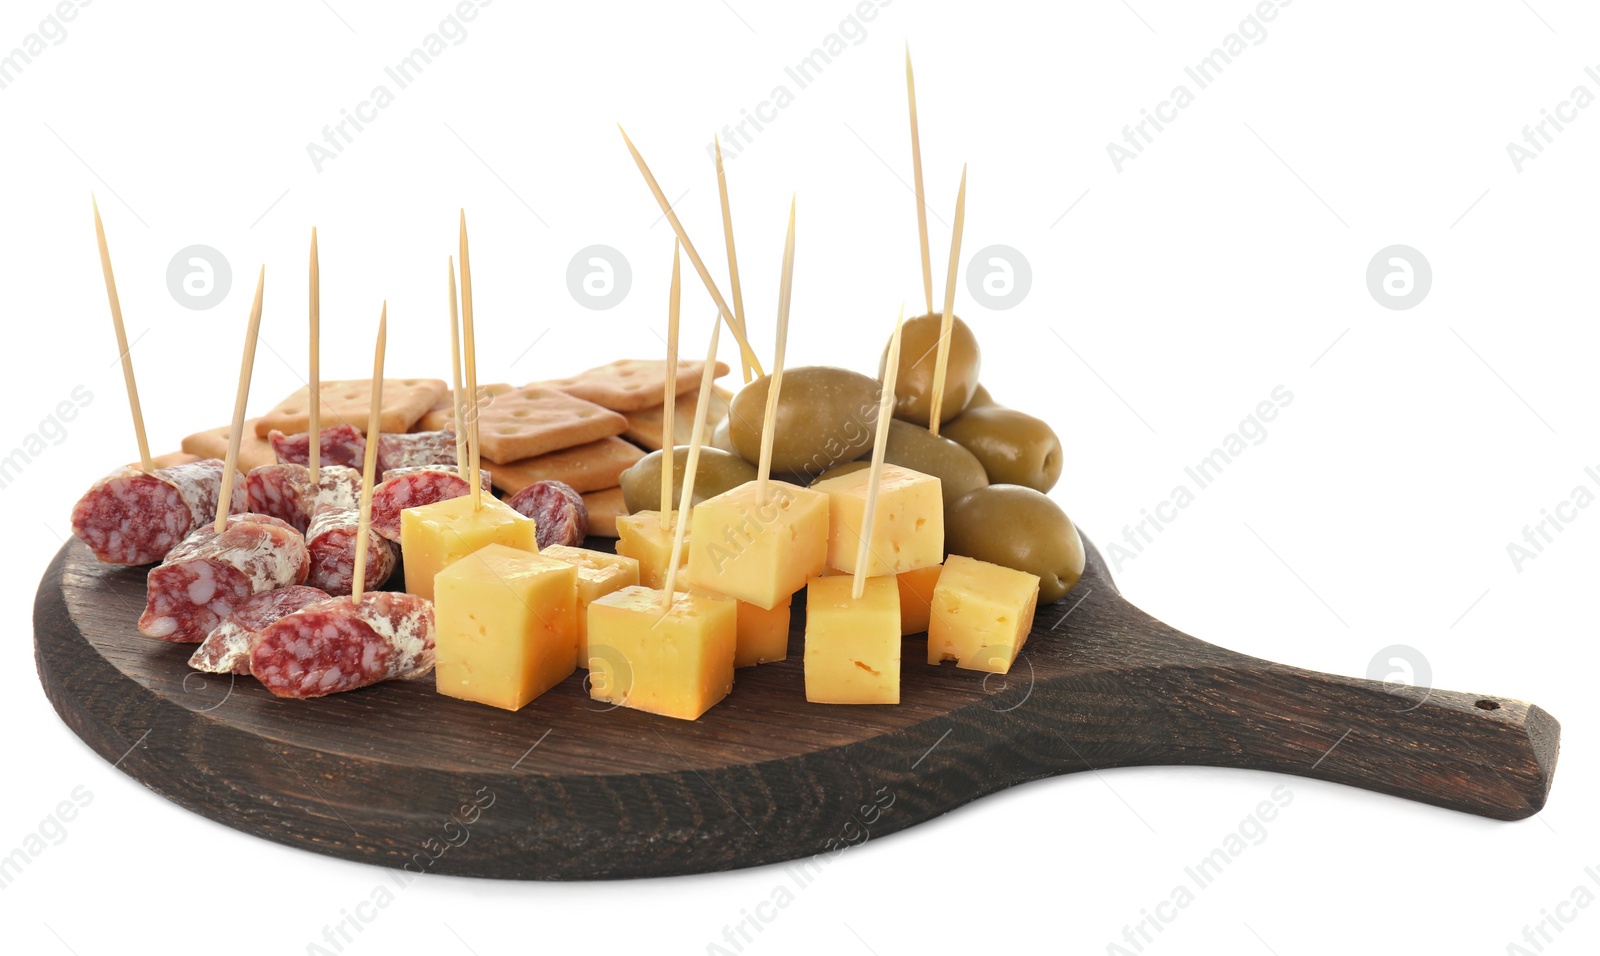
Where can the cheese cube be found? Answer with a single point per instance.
(852, 651)
(675, 666)
(763, 636)
(599, 574)
(433, 537)
(759, 551)
(506, 626)
(908, 530)
(982, 614)
(641, 537)
(916, 597)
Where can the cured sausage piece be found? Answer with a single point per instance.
(331, 541)
(208, 575)
(284, 491)
(414, 449)
(484, 475)
(136, 517)
(339, 645)
(341, 445)
(404, 488)
(558, 512)
(226, 650)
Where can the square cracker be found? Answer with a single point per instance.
(350, 402)
(631, 385)
(604, 507)
(644, 427)
(591, 467)
(213, 443)
(518, 423)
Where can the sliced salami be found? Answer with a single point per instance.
(404, 488)
(284, 491)
(558, 512)
(207, 575)
(226, 650)
(412, 449)
(341, 445)
(339, 645)
(331, 541)
(136, 517)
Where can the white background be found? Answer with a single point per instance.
(1226, 260)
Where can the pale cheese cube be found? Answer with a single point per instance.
(760, 552)
(852, 653)
(641, 537)
(908, 527)
(599, 574)
(981, 615)
(433, 537)
(674, 661)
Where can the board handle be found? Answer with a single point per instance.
(1491, 756)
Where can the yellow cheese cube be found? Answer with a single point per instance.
(675, 666)
(982, 614)
(763, 636)
(641, 537)
(916, 597)
(759, 551)
(433, 537)
(908, 530)
(506, 626)
(852, 646)
(599, 574)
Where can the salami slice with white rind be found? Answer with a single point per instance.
(415, 449)
(339, 645)
(331, 541)
(208, 575)
(226, 650)
(284, 491)
(341, 445)
(135, 517)
(404, 488)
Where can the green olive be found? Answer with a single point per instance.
(825, 416)
(717, 471)
(919, 353)
(980, 398)
(1017, 527)
(1015, 448)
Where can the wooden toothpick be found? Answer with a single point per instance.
(733, 258)
(775, 382)
(230, 465)
(315, 411)
(670, 398)
(145, 464)
(462, 466)
(370, 463)
(869, 515)
(916, 172)
(746, 354)
(707, 378)
(941, 364)
(470, 345)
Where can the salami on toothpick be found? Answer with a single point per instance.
(670, 396)
(470, 345)
(370, 463)
(746, 354)
(733, 257)
(691, 464)
(775, 384)
(230, 465)
(916, 172)
(462, 466)
(145, 463)
(314, 413)
(891, 370)
(941, 364)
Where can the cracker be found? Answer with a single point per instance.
(253, 452)
(604, 507)
(170, 459)
(644, 427)
(405, 400)
(535, 420)
(632, 385)
(590, 467)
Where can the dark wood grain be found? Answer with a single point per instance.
(569, 789)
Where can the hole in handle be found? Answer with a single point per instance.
(1488, 705)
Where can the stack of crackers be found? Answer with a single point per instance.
(585, 430)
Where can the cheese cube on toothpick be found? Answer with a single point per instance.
(907, 525)
(676, 665)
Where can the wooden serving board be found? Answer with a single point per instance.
(568, 789)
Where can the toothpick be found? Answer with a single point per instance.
(370, 463)
(247, 364)
(916, 171)
(462, 466)
(696, 436)
(941, 364)
(469, 343)
(122, 342)
(670, 398)
(315, 425)
(775, 382)
(733, 258)
(746, 354)
(891, 371)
